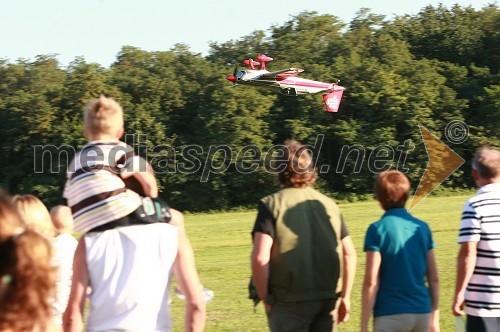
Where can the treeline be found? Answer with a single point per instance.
(210, 143)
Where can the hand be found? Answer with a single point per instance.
(434, 328)
(435, 322)
(458, 305)
(343, 311)
(268, 308)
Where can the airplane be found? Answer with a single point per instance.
(286, 82)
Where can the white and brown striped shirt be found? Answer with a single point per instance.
(481, 224)
(94, 190)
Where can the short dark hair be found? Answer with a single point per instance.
(392, 189)
(299, 171)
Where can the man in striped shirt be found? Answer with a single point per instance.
(478, 263)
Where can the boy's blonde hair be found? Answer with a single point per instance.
(35, 214)
(103, 116)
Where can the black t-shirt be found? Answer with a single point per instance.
(265, 223)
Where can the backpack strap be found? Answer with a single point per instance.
(152, 210)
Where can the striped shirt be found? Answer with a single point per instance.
(98, 196)
(481, 224)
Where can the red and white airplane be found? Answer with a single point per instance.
(286, 82)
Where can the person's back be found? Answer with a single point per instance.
(308, 228)
(403, 242)
(129, 270)
(399, 261)
(296, 231)
(94, 192)
(478, 262)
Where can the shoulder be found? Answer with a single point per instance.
(268, 197)
(375, 226)
(132, 235)
(474, 199)
(418, 220)
(487, 195)
(324, 198)
(425, 226)
(65, 240)
(266, 200)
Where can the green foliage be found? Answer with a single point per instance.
(305, 40)
(208, 142)
(452, 35)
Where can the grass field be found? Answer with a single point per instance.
(222, 244)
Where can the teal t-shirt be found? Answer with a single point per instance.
(403, 242)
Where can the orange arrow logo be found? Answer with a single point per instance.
(443, 161)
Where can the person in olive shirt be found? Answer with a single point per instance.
(303, 259)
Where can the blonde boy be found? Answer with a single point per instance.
(95, 188)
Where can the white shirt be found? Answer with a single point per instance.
(130, 270)
(64, 249)
(481, 224)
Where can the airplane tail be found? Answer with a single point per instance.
(251, 63)
(333, 98)
(263, 59)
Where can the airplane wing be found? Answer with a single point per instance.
(280, 74)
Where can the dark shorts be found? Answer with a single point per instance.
(310, 316)
(483, 324)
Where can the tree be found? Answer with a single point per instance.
(208, 141)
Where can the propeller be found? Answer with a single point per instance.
(233, 77)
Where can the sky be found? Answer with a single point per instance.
(97, 29)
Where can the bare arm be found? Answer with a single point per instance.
(261, 255)
(348, 273)
(73, 316)
(142, 171)
(177, 219)
(187, 277)
(370, 287)
(433, 281)
(466, 262)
